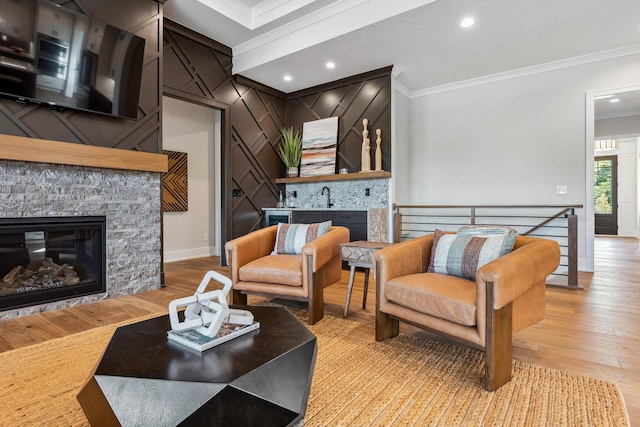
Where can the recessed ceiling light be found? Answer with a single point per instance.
(614, 100)
(287, 78)
(331, 65)
(467, 22)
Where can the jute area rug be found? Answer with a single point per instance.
(357, 382)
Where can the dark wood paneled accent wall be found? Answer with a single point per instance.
(365, 96)
(142, 17)
(198, 69)
(256, 120)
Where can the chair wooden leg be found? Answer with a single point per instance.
(316, 294)
(238, 298)
(499, 345)
(386, 326)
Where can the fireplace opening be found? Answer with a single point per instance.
(51, 259)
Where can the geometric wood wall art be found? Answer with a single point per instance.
(174, 183)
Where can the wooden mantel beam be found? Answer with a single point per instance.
(65, 153)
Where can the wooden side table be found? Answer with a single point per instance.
(359, 254)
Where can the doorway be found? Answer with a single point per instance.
(605, 195)
(614, 114)
(194, 129)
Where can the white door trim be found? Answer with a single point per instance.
(589, 158)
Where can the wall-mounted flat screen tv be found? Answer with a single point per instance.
(63, 59)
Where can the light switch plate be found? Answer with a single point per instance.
(561, 189)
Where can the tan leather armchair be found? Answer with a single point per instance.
(507, 296)
(295, 277)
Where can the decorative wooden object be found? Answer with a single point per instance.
(365, 164)
(175, 191)
(378, 150)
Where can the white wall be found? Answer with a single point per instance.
(400, 148)
(511, 141)
(617, 127)
(191, 129)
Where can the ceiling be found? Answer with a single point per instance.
(627, 104)
(422, 39)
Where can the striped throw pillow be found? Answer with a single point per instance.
(462, 255)
(485, 230)
(292, 237)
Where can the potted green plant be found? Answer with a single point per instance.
(290, 150)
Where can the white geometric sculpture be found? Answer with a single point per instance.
(206, 311)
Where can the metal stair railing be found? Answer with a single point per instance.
(557, 222)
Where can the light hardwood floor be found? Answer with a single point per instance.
(592, 332)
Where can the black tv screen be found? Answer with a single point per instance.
(54, 56)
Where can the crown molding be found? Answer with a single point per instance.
(358, 78)
(234, 10)
(297, 25)
(258, 15)
(317, 27)
(536, 69)
(399, 87)
(270, 10)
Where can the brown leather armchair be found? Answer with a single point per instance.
(295, 277)
(507, 296)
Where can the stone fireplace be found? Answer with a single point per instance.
(46, 179)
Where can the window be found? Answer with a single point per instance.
(602, 177)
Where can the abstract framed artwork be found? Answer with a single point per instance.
(175, 191)
(319, 145)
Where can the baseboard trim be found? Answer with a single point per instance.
(185, 254)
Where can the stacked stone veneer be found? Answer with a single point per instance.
(345, 194)
(130, 200)
(348, 195)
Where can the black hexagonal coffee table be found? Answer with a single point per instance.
(261, 378)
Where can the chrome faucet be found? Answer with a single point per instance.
(329, 204)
